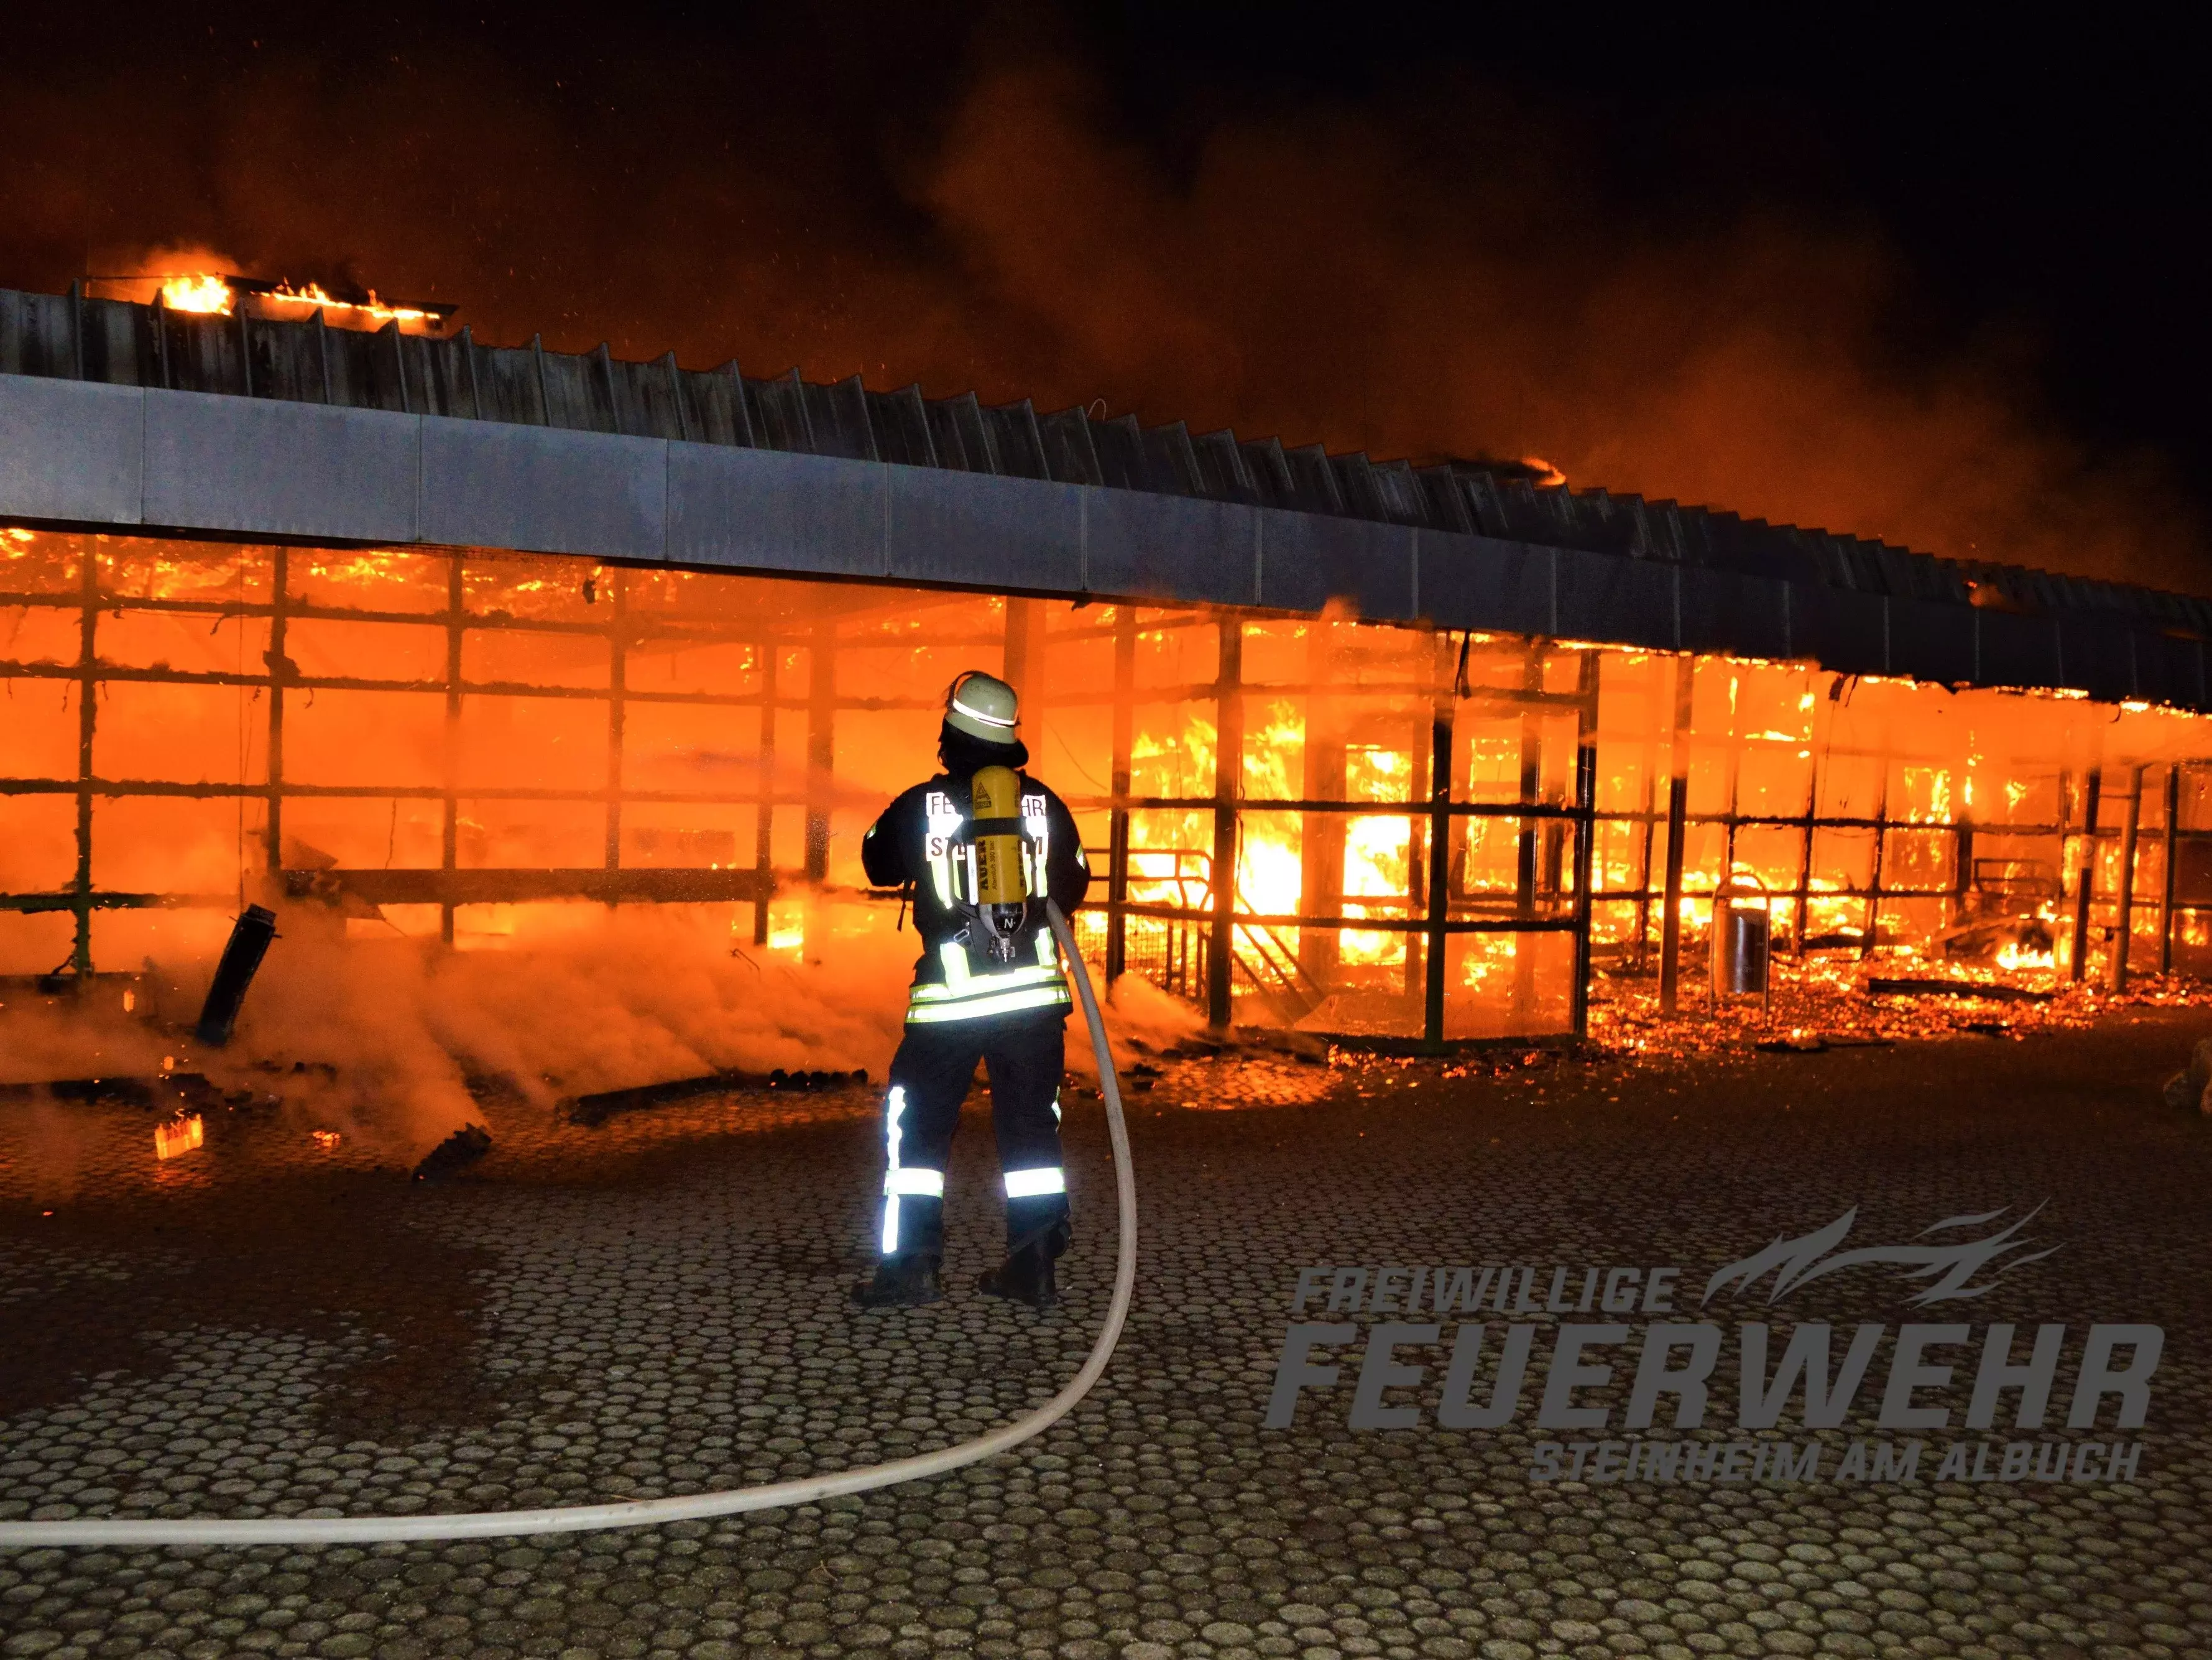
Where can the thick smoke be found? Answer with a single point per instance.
(386, 1037)
(1447, 276)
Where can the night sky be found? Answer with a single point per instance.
(1906, 278)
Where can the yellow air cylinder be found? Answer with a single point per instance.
(996, 793)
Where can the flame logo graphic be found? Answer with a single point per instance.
(1953, 1264)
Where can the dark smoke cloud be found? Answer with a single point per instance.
(1450, 274)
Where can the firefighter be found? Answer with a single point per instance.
(981, 846)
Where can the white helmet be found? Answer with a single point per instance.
(981, 706)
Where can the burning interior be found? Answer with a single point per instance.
(1303, 815)
(1431, 833)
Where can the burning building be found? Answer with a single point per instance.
(395, 631)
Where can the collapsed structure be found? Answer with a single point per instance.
(399, 630)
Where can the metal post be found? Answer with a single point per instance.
(1024, 669)
(2085, 886)
(1872, 937)
(1648, 827)
(764, 807)
(821, 743)
(1734, 802)
(1532, 779)
(2127, 899)
(1585, 833)
(1228, 766)
(1442, 709)
(449, 841)
(1322, 835)
(1677, 824)
(1117, 856)
(1812, 818)
(1962, 866)
(2173, 804)
(1526, 844)
(1414, 969)
(617, 684)
(88, 704)
(279, 672)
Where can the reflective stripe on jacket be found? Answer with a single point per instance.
(918, 839)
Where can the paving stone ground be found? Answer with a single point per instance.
(659, 1306)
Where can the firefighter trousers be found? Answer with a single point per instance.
(930, 1076)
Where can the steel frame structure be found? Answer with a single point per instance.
(1432, 912)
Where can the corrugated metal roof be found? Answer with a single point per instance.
(125, 343)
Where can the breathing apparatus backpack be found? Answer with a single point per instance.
(1005, 874)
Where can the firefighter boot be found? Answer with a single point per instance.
(900, 1282)
(1026, 1276)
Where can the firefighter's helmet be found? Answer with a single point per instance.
(983, 707)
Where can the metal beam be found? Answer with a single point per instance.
(1228, 781)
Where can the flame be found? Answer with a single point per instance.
(178, 1137)
(214, 296)
(1552, 478)
(327, 1140)
(202, 293)
(310, 295)
(2014, 955)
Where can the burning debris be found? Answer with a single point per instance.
(179, 1136)
(1824, 1003)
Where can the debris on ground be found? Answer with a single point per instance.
(1996, 991)
(454, 1154)
(2192, 1091)
(1849, 1000)
(241, 960)
(168, 1091)
(596, 1108)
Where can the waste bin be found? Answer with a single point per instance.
(1743, 938)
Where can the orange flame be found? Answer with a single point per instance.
(201, 294)
(178, 1137)
(214, 296)
(312, 295)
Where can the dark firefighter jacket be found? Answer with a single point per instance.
(921, 838)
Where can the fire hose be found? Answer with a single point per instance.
(685, 1507)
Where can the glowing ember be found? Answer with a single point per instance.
(178, 1137)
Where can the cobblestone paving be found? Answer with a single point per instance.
(659, 1306)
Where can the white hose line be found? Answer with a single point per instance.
(689, 1507)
